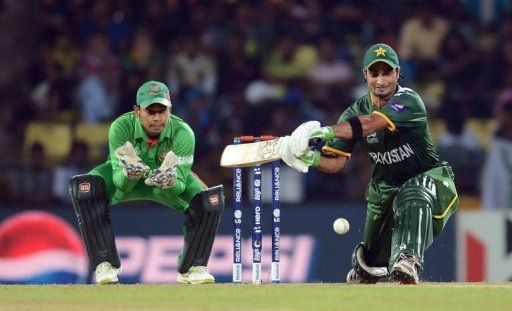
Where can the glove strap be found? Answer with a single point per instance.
(328, 133)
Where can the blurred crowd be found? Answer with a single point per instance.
(250, 67)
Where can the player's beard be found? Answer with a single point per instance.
(155, 130)
(387, 95)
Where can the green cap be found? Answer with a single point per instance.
(381, 53)
(153, 92)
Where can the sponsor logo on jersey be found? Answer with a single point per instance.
(394, 156)
(182, 160)
(372, 138)
(186, 160)
(397, 107)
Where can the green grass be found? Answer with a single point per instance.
(427, 296)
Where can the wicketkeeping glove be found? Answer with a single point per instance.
(165, 176)
(133, 166)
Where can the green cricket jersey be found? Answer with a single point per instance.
(176, 136)
(402, 150)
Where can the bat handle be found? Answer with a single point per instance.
(314, 141)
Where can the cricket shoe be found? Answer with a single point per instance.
(196, 275)
(354, 278)
(106, 274)
(405, 270)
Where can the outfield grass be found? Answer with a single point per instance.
(428, 296)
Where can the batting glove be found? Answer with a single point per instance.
(132, 165)
(311, 158)
(287, 156)
(299, 140)
(325, 133)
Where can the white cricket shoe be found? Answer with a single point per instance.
(106, 274)
(196, 275)
(405, 270)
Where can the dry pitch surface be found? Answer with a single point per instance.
(427, 296)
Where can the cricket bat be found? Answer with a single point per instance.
(251, 154)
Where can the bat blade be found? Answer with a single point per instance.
(251, 154)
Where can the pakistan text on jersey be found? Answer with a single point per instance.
(394, 156)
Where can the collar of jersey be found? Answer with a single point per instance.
(398, 87)
(371, 102)
(141, 134)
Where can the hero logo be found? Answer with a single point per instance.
(214, 199)
(84, 187)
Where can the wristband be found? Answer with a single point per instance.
(357, 129)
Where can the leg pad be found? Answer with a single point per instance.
(413, 219)
(201, 224)
(91, 208)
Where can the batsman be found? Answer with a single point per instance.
(411, 194)
(151, 155)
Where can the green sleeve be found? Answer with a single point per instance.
(405, 109)
(119, 133)
(341, 144)
(184, 146)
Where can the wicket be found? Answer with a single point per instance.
(257, 223)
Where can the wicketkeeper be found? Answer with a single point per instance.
(411, 194)
(151, 154)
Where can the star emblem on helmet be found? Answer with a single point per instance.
(380, 52)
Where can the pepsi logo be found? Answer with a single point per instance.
(41, 248)
(214, 199)
(84, 187)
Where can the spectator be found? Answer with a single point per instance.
(500, 63)
(32, 184)
(235, 62)
(459, 65)
(145, 56)
(77, 162)
(497, 171)
(420, 42)
(290, 60)
(459, 146)
(191, 68)
(330, 74)
(98, 90)
(504, 96)
(487, 12)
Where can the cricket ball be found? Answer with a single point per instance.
(341, 226)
